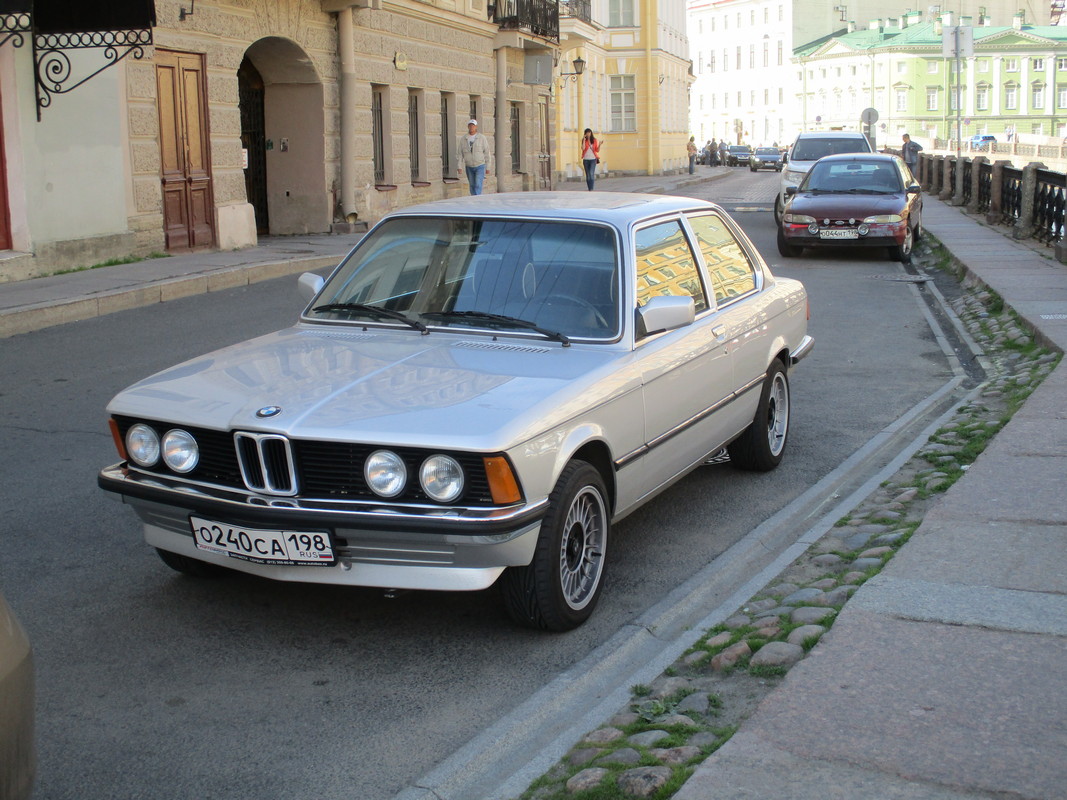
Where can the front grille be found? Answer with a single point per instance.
(274, 464)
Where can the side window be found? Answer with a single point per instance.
(729, 269)
(666, 265)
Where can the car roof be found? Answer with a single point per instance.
(831, 135)
(616, 208)
(874, 158)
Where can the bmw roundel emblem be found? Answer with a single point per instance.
(269, 411)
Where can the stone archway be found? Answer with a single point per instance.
(287, 153)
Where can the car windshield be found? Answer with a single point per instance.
(740, 148)
(853, 177)
(815, 148)
(766, 151)
(559, 279)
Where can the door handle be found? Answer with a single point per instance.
(719, 331)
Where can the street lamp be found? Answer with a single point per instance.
(579, 68)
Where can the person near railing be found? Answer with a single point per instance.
(909, 151)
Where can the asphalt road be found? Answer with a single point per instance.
(154, 685)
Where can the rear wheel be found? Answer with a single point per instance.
(786, 249)
(560, 587)
(191, 566)
(761, 446)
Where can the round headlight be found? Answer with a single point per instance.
(180, 451)
(863, 229)
(142, 445)
(813, 228)
(385, 473)
(441, 478)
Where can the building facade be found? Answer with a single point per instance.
(1013, 85)
(746, 87)
(159, 126)
(634, 89)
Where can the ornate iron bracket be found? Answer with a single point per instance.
(54, 70)
(15, 26)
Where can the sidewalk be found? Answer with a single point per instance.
(944, 677)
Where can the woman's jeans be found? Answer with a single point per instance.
(476, 177)
(692, 164)
(590, 171)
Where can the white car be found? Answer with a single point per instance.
(18, 751)
(808, 148)
(479, 390)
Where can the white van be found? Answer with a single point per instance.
(808, 148)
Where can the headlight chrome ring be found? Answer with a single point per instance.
(142, 445)
(441, 477)
(180, 451)
(385, 473)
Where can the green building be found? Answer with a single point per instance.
(1014, 86)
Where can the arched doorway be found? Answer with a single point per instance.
(283, 133)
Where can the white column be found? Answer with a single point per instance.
(348, 113)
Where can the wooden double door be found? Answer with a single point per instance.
(188, 204)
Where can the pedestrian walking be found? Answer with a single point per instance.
(713, 153)
(474, 157)
(691, 148)
(909, 151)
(590, 156)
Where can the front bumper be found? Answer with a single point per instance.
(880, 235)
(398, 547)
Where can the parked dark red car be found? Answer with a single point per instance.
(854, 200)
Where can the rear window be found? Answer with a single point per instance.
(814, 148)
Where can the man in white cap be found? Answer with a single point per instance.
(474, 156)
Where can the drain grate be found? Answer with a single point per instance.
(904, 278)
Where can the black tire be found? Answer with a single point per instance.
(560, 587)
(191, 566)
(785, 249)
(761, 447)
(902, 253)
(779, 207)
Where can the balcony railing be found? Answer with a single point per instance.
(539, 17)
(578, 9)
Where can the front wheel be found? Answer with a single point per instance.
(784, 248)
(902, 253)
(761, 446)
(559, 588)
(779, 208)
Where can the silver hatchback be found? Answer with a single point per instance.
(473, 396)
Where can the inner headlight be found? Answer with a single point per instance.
(180, 450)
(441, 478)
(883, 219)
(385, 473)
(142, 445)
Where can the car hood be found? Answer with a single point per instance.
(384, 386)
(845, 206)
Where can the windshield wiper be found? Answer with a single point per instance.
(374, 311)
(496, 319)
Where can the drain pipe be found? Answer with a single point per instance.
(503, 122)
(348, 114)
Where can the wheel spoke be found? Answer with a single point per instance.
(581, 555)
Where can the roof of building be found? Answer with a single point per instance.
(928, 35)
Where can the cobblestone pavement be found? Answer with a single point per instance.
(650, 748)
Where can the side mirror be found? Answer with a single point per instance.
(785, 158)
(790, 191)
(914, 188)
(309, 284)
(665, 314)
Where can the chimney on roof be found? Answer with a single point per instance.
(904, 22)
(937, 27)
(946, 18)
(852, 26)
(966, 21)
(874, 25)
(1017, 20)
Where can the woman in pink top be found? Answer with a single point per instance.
(590, 156)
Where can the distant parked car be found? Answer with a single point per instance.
(854, 200)
(738, 154)
(982, 141)
(765, 158)
(480, 389)
(809, 147)
(17, 747)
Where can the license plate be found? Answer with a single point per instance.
(304, 548)
(838, 233)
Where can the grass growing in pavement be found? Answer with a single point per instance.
(111, 262)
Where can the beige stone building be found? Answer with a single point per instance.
(175, 125)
